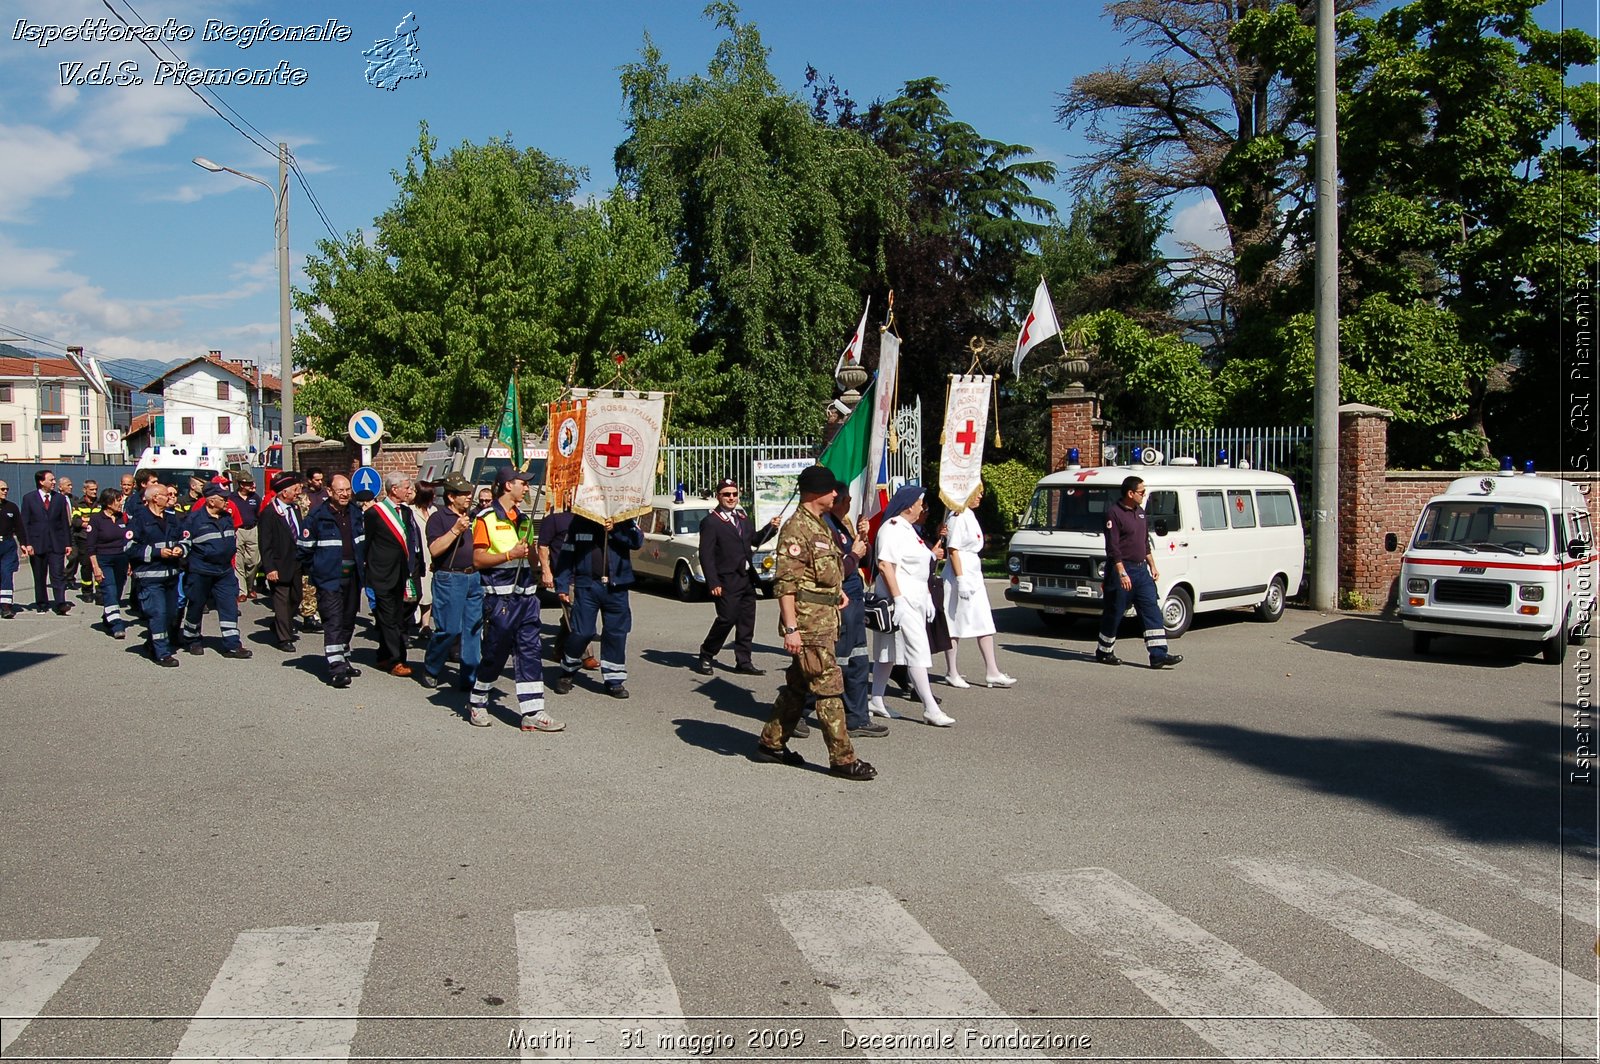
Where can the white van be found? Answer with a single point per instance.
(175, 463)
(1222, 538)
(1506, 556)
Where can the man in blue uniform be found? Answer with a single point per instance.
(1131, 573)
(332, 553)
(500, 549)
(210, 532)
(595, 582)
(155, 551)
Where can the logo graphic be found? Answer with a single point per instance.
(616, 449)
(392, 61)
(567, 437)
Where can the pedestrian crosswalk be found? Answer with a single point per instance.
(597, 982)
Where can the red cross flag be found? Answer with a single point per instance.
(966, 417)
(1040, 325)
(620, 442)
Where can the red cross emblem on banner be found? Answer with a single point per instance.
(613, 450)
(966, 438)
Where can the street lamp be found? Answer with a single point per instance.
(280, 204)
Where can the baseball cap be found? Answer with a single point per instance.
(506, 476)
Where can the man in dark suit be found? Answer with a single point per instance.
(279, 535)
(394, 568)
(47, 523)
(727, 536)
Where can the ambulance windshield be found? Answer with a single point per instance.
(1477, 525)
(1070, 508)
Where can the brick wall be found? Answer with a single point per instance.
(336, 456)
(1075, 422)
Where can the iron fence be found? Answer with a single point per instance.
(1282, 450)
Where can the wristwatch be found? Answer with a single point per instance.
(790, 629)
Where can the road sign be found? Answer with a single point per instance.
(111, 440)
(365, 427)
(366, 479)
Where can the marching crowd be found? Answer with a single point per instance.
(464, 575)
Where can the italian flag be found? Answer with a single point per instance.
(846, 454)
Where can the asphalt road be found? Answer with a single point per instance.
(1303, 821)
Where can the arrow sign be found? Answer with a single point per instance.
(366, 427)
(366, 479)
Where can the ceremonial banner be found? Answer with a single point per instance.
(966, 416)
(620, 442)
(851, 355)
(564, 467)
(510, 430)
(875, 494)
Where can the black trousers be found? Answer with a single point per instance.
(52, 563)
(285, 606)
(736, 613)
(390, 615)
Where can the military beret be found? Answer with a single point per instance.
(816, 480)
(286, 479)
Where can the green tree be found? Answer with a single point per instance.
(483, 263)
(779, 220)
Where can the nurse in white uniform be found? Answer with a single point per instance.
(904, 565)
(966, 599)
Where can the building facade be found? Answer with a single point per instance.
(216, 402)
(49, 412)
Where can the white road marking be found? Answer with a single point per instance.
(272, 978)
(1192, 973)
(1501, 978)
(901, 994)
(1540, 888)
(30, 974)
(599, 963)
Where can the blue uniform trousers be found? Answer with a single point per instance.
(851, 652)
(8, 570)
(592, 603)
(457, 614)
(1145, 603)
(222, 592)
(114, 569)
(336, 606)
(510, 629)
(158, 600)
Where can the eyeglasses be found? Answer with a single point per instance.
(728, 494)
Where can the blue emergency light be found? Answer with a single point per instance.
(1506, 464)
(1527, 467)
(1072, 456)
(438, 435)
(1222, 457)
(1138, 454)
(483, 432)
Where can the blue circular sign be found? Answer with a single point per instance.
(366, 479)
(366, 427)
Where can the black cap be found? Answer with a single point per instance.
(214, 489)
(506, 476)
(727, 482)
(816, 480)
(286, 479)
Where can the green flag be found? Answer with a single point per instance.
(846, 454)
(510, 432)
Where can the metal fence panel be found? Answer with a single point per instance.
(1283, 450)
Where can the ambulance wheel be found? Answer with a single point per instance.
(1177, 613)
(1421, 643)
(683, 581)
(1270, 608)
(1554, 649)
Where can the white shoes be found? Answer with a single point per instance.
(954, 680)
(999, 681)
(937, 717)
(876, 708)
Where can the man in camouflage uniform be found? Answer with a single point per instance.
(810, 572)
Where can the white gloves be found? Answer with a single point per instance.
(928, 610)
(902, 611)
(966, 589)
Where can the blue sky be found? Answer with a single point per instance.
(110, 237)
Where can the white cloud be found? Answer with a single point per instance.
(27, 269)
(39, 162)
(1200, 225)
(90, 306)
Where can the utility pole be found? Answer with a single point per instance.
(1325, 442)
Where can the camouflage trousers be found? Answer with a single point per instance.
(813, 671)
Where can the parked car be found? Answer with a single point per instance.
(671, 548)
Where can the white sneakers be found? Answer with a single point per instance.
(937, 717)
(999, 681)
(954, 679)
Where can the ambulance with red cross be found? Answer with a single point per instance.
(1507, 556)
(1222, 538)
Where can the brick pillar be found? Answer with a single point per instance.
(1363, 465)
(1075, 421)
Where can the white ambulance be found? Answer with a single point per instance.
(1508, 556)
(1222, 538)
(175, 463)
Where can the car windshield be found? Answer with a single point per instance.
(687, 522)
(1475, 525)
(1070, 508)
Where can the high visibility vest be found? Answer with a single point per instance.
(500, 534)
